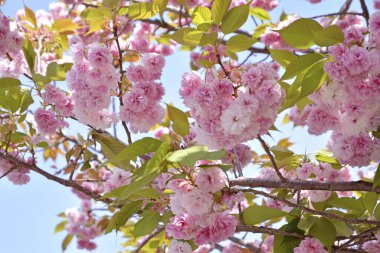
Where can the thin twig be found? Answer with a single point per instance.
(148, 238)
(266, 148)
(120, 95)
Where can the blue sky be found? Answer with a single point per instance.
(28, 214)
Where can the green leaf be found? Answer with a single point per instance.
(121, 217)
(235, 18)
(142, 10)
(201, 15)
(161, 5)
(57, 72)
(137, 185)
(60, 226)
(281, 153)
(326, 156)
(208, 38)
(300, 33)
(30, 55)
(110, 147)
(300, 64)
(66, 241)
(377, 212)
(137, 148)
(155, 162)
(9, 82)
(219, 9)
(350, 204)
(65, 26)
(224, 167)
(259, 13)
(187, 36)
(282, 57)
(253, 215)
(313, 80)
(147, 223)
(30, 16)
(306, 223)
(341, 227)
(111, 4)
(97, 17)
(324, 231)
(370, 201)
(330, 36)
(26, 100)
(286, 244)
(376, 179)
(180, 122)
(239, 43)
(193, 154)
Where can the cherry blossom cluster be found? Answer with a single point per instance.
(198, 215)
(230, 112)
(91, 80)
(83, 225)
(372, 246)
(12, 63)
(141, 108)
(349, 104)
(310, 245)
(141, 40)
(47, 121)
(15, 174)
(243, 152)
(58, 98)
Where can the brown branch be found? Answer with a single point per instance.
(336, 14)
(304, 185)
(150, 237)
(354, 238)
(267, 150)
(59, 180)
(267, 230)
(6, 173)
(306, 209)
(120, 95)
(244, 244)
(365, 10)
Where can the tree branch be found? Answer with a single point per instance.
(244, 244)
(59, 180)
(365, 10)
(120, 95)
(306, 209)
(266, 148)
(304, 185)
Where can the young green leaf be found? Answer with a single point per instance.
(300, 33)
(239, 43)
(324, 231)
(121, 217)
(253, 215)
(219, 9)
(147, 223)
(259, 13)
(330, 36)
(180, 122)
(235, 18)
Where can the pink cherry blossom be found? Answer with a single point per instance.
(310, 245)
